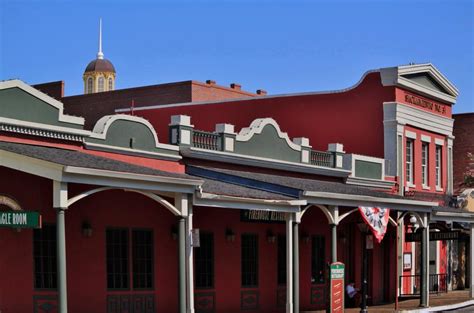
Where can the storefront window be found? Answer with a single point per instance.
(317, 259)
(44, 252)
(142, 259)
(204, 261)
(281, 260)
(249, 260)
(118, 261)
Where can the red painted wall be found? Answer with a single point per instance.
(353, 118)
(431, 161)
(86, 260)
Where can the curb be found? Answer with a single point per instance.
(442, 307)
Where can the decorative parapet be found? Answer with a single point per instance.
(130, 135)
(263, 142)
(367, 171)
(26, 110)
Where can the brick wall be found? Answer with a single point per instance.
(463, 144)
(93, 106)
(53, 89)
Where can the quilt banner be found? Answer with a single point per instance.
(377, 219)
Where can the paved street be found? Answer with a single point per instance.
(412, 304)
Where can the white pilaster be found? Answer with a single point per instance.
(183, 204)
(289, 262)
(471, 260)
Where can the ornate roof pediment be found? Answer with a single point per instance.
(425, 79)
(130, 135)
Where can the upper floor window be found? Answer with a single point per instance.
(111, 84)
(424, 163)
(90, 85)
(101, 84)
(409, 161)
(438, 166)
(44, 253)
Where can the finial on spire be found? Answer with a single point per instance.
(100, 55)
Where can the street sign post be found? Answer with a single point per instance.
(20, 219)
(336, 285)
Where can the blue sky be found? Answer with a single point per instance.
(279, 46)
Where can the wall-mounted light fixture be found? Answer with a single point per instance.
(174, 232)
(271, 237)
(86, 229)
(229, 235)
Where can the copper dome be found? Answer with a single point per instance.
(100, 65)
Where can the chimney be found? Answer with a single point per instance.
(210, 82)
(261, 92)
(235, 86)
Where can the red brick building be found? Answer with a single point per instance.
(463, 146)
(274, 185)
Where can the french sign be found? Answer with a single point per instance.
(434, 236)
(20, 219)
(336, 277)
(262, 216)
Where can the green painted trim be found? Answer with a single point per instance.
(18, 104)
(134, 136)
(368, 169)
(268, 144)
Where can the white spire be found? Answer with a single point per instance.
(100, 55)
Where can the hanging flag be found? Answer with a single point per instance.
(377, 219)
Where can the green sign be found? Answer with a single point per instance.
(20, 219)
(337, 271)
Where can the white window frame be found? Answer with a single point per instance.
(410, 144)
(111, 84)
(425, 161)
(439, 166)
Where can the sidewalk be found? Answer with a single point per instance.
(412, 305)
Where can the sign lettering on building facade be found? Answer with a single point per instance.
(20, 219)
(435, 107)
(434, 236)
(262, 216)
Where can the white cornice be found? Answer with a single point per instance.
(330, 198)
(393, 76)
(232, 202)
(408, 115)
(240, 159)
(16, 83)
(367, 182)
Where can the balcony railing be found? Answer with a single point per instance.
(321, 158)
(205, 140)
(437, 284)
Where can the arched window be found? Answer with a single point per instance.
(101, 84)
(111, 84)
(89, 85)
